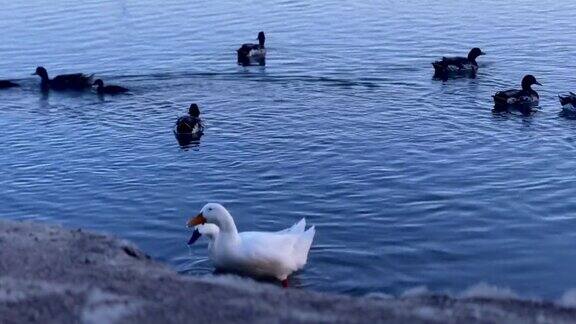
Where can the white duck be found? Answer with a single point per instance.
(257, 254)
(209, 230)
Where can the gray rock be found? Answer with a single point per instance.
(54, 275)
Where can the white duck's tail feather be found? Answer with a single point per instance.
(296, 228)
(302, 247)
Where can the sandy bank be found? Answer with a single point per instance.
(53, 275)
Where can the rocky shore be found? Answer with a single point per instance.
(50, 274)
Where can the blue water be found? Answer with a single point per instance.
(410, 181)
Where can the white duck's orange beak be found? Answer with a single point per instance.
(197, 220)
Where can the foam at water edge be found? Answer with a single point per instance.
(480, 290)
(484, 290)
(416, 291)
(377, 295)
(568, 299)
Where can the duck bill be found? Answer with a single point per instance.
(483, 53)
(197, 220)
(538, 83)
(195, 236)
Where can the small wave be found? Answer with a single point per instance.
(255, 77)
(568, 299)
(482, 291)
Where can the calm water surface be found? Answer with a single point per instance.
(410, 181)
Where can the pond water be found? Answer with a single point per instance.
(410, 181)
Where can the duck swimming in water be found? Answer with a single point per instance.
(77, 81)
(189, 128)
(253, 54)
(458, 65)
(191, 124)
(523, 98)
(109, 89)
(568, 102)
(256, 254)
(5, 84)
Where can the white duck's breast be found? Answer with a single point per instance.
(223, 252)
(212, 250)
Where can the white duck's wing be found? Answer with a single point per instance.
(296, 228)
(276, 254)
(264, 253)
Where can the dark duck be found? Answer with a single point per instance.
(5, 84)
(189, 128)
(518, 98)
(101, 89)
(253, 54)
(568, 103)
(77, 81)
(458, 65)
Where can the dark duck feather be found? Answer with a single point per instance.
(458, 64)
(109, 89)
(569, 99)
(5, 84)
(524, 97)
(253, 54)
(77, 81)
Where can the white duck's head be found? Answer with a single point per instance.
(209, 230)
(214, 213)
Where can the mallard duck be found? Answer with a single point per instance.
(456, 65)
(5, 84)
(522, 98)
(191, 124)
(189, 129)
(77, 81)
(253, 54)
(568, 102)
(109, 89)
(257, 254)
